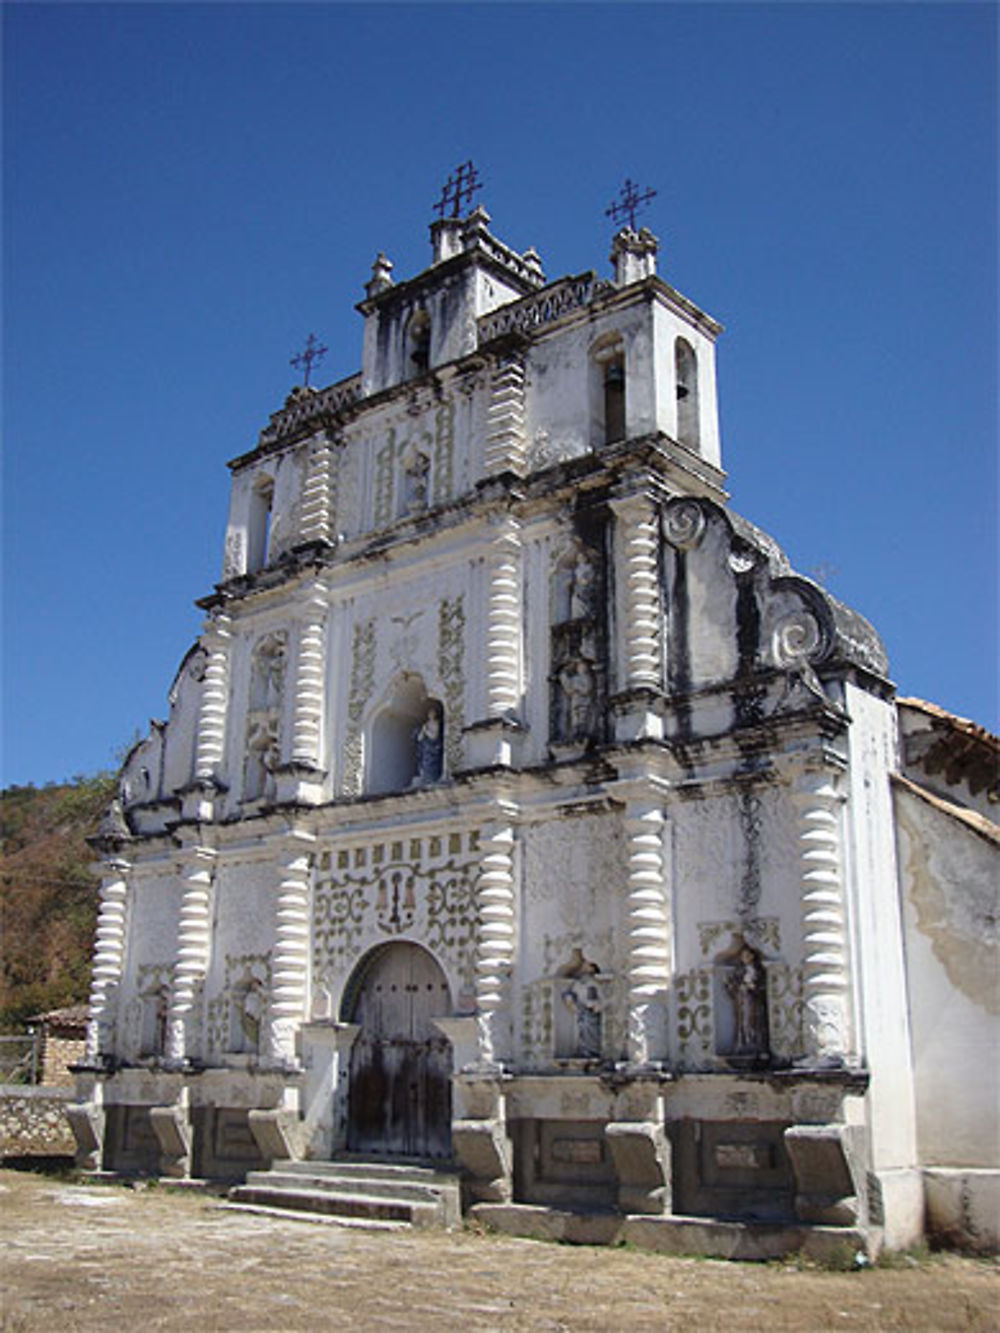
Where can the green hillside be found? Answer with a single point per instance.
(48, 894)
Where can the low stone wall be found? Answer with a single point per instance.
(33, 1121)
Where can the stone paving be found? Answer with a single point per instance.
(86, 1257)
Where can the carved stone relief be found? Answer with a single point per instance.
(422, 888)
(234, 1016)
(451, 669)
(361, 684)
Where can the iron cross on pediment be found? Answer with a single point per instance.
(630, 202)
(459, 188)
(308, 357)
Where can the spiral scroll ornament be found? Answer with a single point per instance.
(683, 524)
(796, 639)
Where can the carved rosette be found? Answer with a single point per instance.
(639, 612)
(109, 955)
(318, 493)
(683, 524)
(825, 988)
(503, 646)
(495, 906)
(648, 931)
(194, 942)
(290, 985)
(505, 438)
(211, 745)
(309, 676)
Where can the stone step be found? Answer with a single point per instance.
(342, 1183)
(403, 1193)
(315, 1219)
(340, 1204)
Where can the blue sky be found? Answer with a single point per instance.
(191, 189)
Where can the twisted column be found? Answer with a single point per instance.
(495, 909)
(211, 745)
(307, 721)
(194, 946)
(109, 956)
(503, 630)
(290, 969)
(639, 610)
(649, 931)
(825, 987)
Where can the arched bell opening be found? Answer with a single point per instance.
(399, 1099)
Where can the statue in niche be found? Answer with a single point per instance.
(417, 468)
(746, 987)
(582, 996)
(582, 578)
(268, 673)
(429, 739)
(576, 696)
(248, 1017)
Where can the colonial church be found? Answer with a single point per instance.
(522, 817)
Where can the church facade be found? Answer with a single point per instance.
(519, 809)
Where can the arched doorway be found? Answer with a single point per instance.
(399, 1102)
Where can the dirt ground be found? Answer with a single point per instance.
(87, 1256)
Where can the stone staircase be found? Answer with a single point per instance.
(370, 1193)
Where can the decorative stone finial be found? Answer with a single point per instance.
(381, 277)
(633, 255)
(533, 260)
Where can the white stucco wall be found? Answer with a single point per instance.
(951, 895)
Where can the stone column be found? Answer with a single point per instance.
(194, 946)
(649, 931)
(290, 972)
(639, 617)
(210, 748)
(825, 977)
(495, 906)
(301, 779)
(109, 956)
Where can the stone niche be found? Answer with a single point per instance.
(563, 1163)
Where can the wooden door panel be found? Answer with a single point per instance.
(400, 1094)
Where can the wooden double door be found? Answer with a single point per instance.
(399, 1102)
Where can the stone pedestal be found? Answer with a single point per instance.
(829, 1173)
(641, 1153)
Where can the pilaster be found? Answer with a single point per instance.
(496, 911)
(301, 780)
(194, 944)
(290, 977)
(489, 741)
(638, 617)
(211, 743)
(319, 492)
(825, 984)
(109, 957)
(649, 930)
(505, 441)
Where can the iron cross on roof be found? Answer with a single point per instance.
(629, 203)
(310, 354)
(458, 189)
